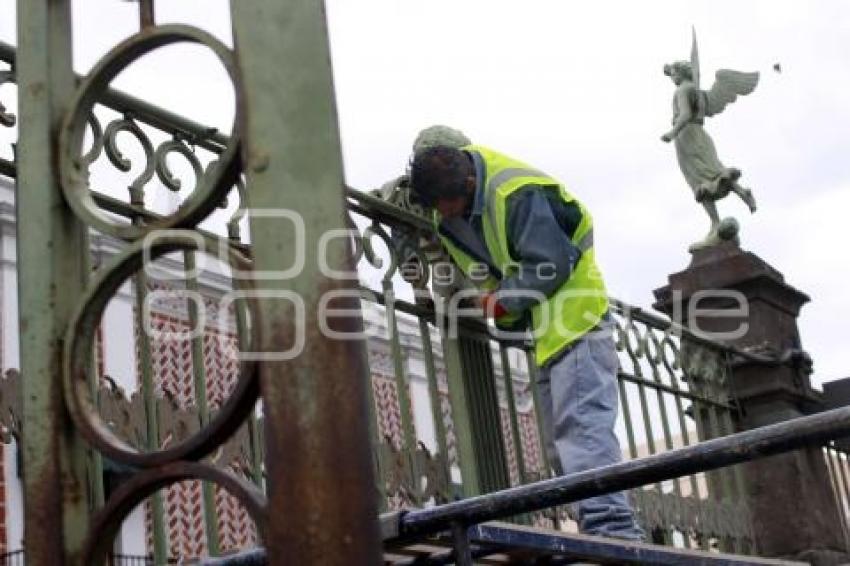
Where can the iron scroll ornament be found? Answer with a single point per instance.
(212, 187)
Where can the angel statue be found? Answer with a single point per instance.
(709, 179)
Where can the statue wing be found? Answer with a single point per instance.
(728, 86)
(694, 58)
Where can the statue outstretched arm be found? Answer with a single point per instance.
(684, 104)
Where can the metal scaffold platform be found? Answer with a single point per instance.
(505, 543)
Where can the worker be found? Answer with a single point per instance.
(497, 215)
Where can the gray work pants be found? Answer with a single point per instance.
(578, 394)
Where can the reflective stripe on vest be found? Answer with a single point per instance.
(499, 179)
(586, 241)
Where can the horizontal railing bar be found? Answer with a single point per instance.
(707, 455)
(202, 136)
(122, 208)
(371, 206)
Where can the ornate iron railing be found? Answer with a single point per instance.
(479, 391)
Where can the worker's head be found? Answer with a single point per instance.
(443, 178)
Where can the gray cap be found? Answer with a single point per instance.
(439, 135)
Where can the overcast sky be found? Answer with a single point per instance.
(576, 89)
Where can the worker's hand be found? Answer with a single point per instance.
(491, 306)
(667, 138)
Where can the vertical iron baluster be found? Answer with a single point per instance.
(148, 387)
(683, 427)
(686, 441)
(496, 460)
(434, 394)
(545, 469)
(239, 314)
(654, 362)
(531, 364)
(712, 480)
(483, 410)
(405, 406)
(512, 411)
(635, 355)
(254, 426)
(93, 374)
(621, 343)
(461, 407)
(199, 380)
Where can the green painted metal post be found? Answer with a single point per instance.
(321, 490)
(50, 276)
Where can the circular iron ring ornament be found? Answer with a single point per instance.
(107, 522)
(73, 169)
(79, 343)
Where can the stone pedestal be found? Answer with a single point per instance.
(793, 507)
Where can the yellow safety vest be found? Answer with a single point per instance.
(579, 304)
